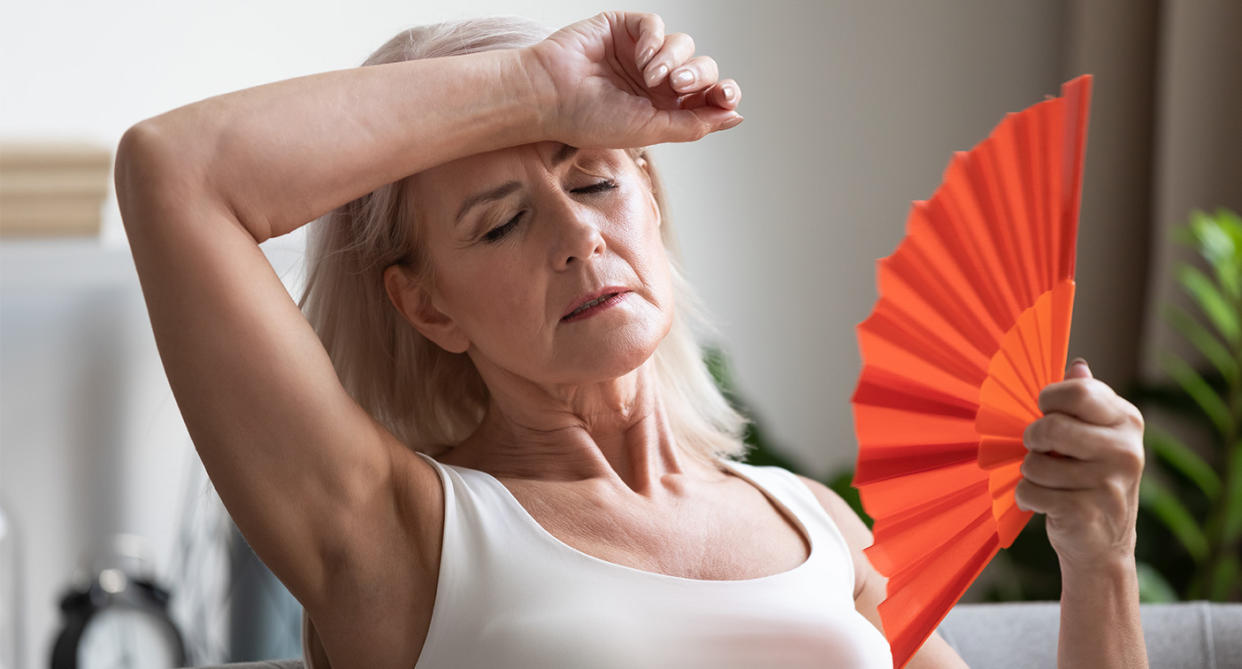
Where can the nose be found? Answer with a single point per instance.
(578, 235)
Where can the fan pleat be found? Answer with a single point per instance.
(992, 166)
(998, 161)
(909, 536)
(997, 451)
(1051, 151)
(971, 261)
(1063, 308)
(1041, 353)
(972, 322)
(888, 426)
(970, 194)
(981, 180)
(898, 494)
(889, 324)
(912, 607)
(1017, 172)
(1042, 206)
(977, 233)
(1025, 350)
(1027, 184)
(890, 389)
(1074, 117)
(947, 291)
(899, 359)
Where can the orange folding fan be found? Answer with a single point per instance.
(972, 322)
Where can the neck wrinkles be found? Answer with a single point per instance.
(616, 433)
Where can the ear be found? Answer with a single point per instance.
(413, 301)
(645, 168)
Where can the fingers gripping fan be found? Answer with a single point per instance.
(972, 322)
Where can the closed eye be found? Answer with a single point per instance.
(604, 185)
(497, 233)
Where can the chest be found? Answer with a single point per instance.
(734, 532)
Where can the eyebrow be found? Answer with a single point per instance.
(564, 153)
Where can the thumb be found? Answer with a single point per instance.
(688, 125)
(1078, 370)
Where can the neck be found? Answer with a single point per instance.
(616, 432)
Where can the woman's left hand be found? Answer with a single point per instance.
(1083, 468)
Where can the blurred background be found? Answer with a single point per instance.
(852, 111)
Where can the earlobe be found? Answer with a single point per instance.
(414, 303)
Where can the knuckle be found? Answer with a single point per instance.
(1118, 489)
(1054, 428)
(1080, 391)
(1028, 466)
(1133, 459)
(1034, 432)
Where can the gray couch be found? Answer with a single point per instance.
(1189, 635)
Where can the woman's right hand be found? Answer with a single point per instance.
(611, 81)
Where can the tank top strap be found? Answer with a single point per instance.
(830, 545)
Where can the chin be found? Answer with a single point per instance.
(622, 353)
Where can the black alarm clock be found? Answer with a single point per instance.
(117, 616)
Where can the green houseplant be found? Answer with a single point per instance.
(1195, 497)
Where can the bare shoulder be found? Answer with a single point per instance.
(870, 586)
(855, 531)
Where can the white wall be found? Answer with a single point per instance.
(852, 109)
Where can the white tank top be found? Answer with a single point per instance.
(510, 594)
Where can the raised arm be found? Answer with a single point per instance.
(296, 461)
(275, 157)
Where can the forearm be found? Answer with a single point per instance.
(1100, 624)
(282, 154)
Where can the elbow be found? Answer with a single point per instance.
(137, 170)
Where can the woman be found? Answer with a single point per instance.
(490, 441)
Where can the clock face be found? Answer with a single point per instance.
(126, 638)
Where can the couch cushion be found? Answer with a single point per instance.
(1193, 635)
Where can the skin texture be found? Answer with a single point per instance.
(342, 512)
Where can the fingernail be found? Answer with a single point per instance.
(1078, 361)
(645, 56)
(729, 93)
(683, 77)
(733, 122)
(655, 76)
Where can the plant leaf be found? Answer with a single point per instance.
(1231, 533)
(1224, 579)
(1197, 388)
(1205, 341)
(1157, 499)
(1153, 586)
(1214, 305)
(1180, 457)
(1219, 246)
(1231, 224)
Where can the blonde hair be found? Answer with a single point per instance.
(430, 398)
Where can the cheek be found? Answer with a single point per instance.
(499, 302)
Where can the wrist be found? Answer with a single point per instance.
(535, 89)
(1118, 574)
